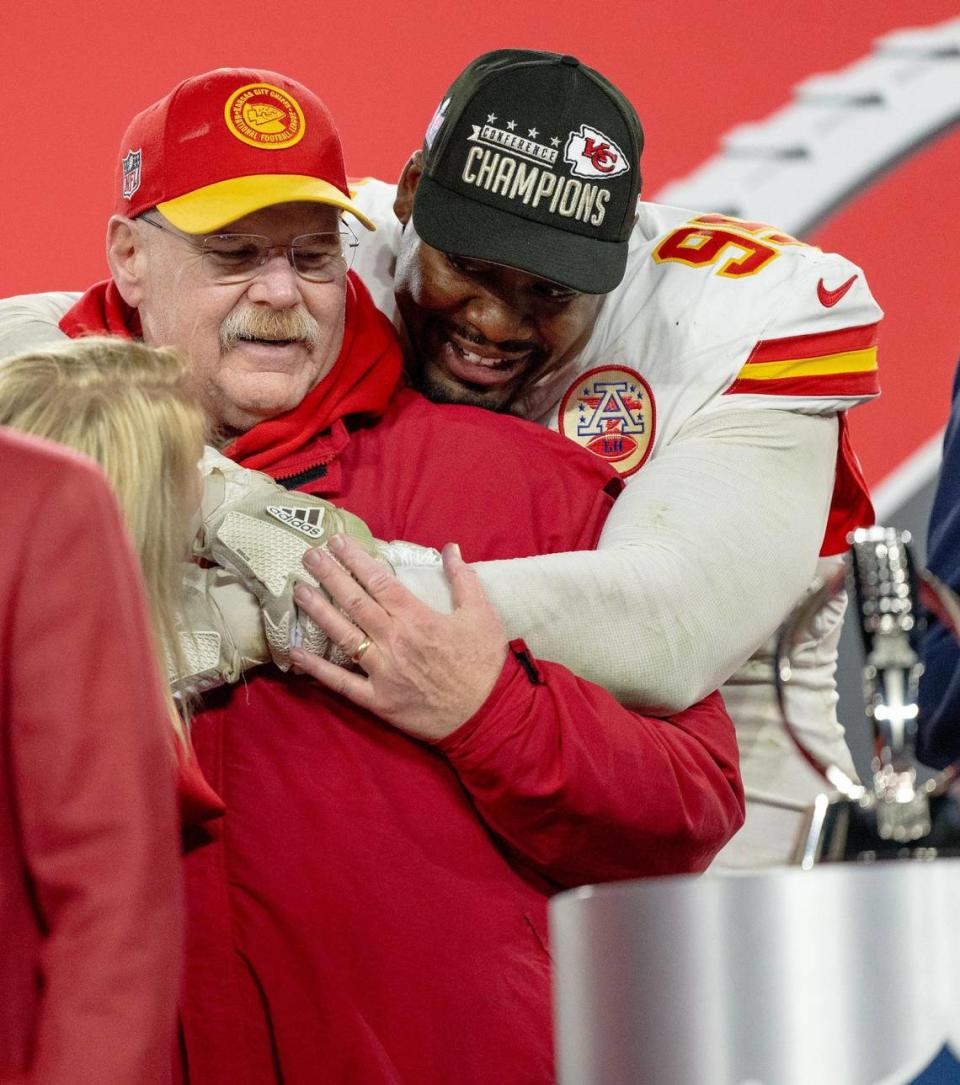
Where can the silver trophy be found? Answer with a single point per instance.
(902, 812)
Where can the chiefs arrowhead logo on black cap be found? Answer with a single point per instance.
(532, 161)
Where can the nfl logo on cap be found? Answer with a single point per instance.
(131, 173)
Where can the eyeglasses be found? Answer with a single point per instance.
(237, 258)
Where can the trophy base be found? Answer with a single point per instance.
(839, 830)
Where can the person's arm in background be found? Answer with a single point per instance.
(93, 763)
(938, 737)
(30, 321)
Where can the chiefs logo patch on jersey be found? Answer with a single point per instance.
(610, 411)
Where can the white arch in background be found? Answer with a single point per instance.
(841, 131)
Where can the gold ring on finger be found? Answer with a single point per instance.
(361, 650)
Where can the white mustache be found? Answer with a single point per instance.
(253, 322)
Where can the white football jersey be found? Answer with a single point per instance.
(712, 312)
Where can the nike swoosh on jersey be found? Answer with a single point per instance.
(829, 298)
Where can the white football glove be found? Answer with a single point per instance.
(254, 528)
(220, 632)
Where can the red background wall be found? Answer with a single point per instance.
(76, 73)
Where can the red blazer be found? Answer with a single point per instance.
(89, 869)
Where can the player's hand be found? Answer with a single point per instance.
(423, 671)
(257, 530)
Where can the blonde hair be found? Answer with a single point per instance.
(127, 406)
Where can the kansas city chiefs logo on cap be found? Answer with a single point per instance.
(592, 154)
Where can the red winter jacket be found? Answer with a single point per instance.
(372, 909)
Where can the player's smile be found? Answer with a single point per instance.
(471, 358)
(480, 333)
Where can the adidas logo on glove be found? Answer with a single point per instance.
(309, 521)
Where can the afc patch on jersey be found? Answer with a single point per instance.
(610, 411)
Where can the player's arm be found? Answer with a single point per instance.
(938, 740)
(30, 321)
(92, 753)
(702, 555)
(220, 629)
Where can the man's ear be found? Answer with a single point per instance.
(126, 257)
(407, 187)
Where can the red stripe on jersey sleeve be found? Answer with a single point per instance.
(815, 345)
(838, 385)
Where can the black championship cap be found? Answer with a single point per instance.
(532, 160)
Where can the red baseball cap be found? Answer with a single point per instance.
(227, 143)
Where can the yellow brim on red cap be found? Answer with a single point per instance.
(214, 206)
